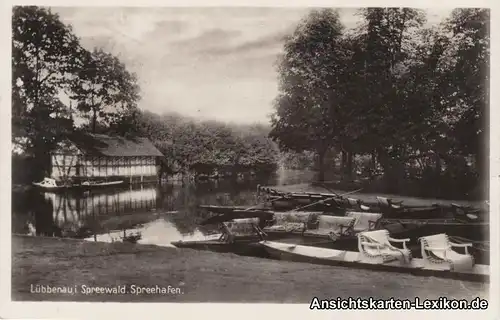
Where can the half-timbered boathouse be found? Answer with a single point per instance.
(102, 157)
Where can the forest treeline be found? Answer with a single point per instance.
(399, 102)
(209, 147)
(48, 61)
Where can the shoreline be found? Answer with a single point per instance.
(185, 275)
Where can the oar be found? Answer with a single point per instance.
(328, 189)
(254, 207)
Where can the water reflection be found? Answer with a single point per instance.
(158, 232)
(147, 214)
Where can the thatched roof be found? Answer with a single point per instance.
(100, 144)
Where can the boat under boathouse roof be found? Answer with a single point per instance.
(83, 155)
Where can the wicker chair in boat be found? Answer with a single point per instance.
(437, 253)
(290, 221)
(332, 226)
(389, 203)
(365, 221)
(357, 204)
(239, 228)
(375, 247)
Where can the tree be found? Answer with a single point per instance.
(45, 56)
(469, 86)
(390, 37)
(106, 91)
(309, 71)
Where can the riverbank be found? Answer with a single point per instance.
(201, 276)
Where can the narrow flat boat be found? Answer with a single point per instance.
(228, 209)
(240, 236)
(50, 184)
(390, 207)
(239, 214)
(376, 253)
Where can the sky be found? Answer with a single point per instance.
(208, 63)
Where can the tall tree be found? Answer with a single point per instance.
(309, 71)
(390, 37)
(45, 56)
(105, 90)
(469, 75)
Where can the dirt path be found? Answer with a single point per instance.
(203, 276)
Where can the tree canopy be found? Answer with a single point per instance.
(415, 98)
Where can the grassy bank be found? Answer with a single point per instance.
(203, 276)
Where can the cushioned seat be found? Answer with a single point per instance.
(376, 247)
(437, 253)
(332, 225)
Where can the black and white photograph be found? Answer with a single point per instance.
(333, 158)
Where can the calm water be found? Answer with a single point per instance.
(158, 214)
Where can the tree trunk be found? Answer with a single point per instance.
(438, 164)
(373, 164)
(388, 174)
(343, 164)
(94, 120)
(42, 160)
(349, 173)
(321, 165)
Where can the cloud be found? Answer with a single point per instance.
(216, 63)
(267, 42)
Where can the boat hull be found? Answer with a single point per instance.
(347, 258)
(77, 187)
(243, 248)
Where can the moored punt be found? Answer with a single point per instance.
(339, 206)
(314, 204)
(263, 215)
(339, 232)
(241, 246)
(378, 204)
(477, 231)
(228, 209)
(381, 257)
(240, 236)
(49, 184)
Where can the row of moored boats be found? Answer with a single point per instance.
(326, 227)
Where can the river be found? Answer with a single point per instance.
(150, 214)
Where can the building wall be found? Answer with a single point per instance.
(77, 165)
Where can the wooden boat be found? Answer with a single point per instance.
(355, 259)
(240, 236)
(477, 231)
(305, 228)
(391, 210)
(340, 235)
(382, 204)
(241, 246)
(50, 184)
(263, 215)
(229, 209)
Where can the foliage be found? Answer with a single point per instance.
(48, 62)
(210, 146)
(45, 55)
(413, 98)
(105, 89)
(311, 71)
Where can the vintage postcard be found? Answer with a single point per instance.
(304, 158)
